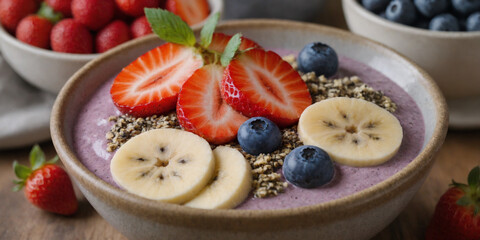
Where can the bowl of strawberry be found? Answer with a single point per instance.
(45, 42)
(245, 129)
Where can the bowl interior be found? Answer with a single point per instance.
(270, 34)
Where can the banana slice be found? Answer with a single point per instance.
(231, 184)
(165, 164)
(352, 131)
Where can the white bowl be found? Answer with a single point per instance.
(49, 70)
(451, 58)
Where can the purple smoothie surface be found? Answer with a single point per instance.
(92, 124)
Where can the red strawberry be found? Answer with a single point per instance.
(201, 109)
(70, 36)
(140, 27)
(12, 12)
(457, 214)
(220, 41)
(35, 31)
(63, 6)
(47, 186)
(260, 83)
(191, 11)
(150, 84)
(94, 14)
(135, 7)
(114, 34)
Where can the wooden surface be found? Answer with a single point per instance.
(20, 220)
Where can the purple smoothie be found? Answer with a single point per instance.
(92, 125)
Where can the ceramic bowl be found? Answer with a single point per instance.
(451, 58)
(358, 216)
(49, 70)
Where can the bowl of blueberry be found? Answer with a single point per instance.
(442, 36)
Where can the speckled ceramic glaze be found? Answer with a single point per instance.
(358, 216)
(49, 70)
(452, 58)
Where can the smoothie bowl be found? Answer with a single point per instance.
(356, 204)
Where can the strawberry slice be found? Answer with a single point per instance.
(201, 109)
(260, 83)
(220, 41)
(150, 84)
(191, 11)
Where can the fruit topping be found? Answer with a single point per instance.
(150, 84)
(457, 214)
(220, 41)
(308, 167)
(69, 36)
(94, 14)
(140, 27)
(47, 186)
(473, 22)
(62, 6)
(444, 22)
(431, 8)
(352, 131)
(230, 184)
(202, 110)
(165, 164)
(135, 7)
(35, 30)
(466, 7)
(191, 11)
(319, 58)
(112, 35)
(375, 6)
(260, 83)
(401, 11)
(259, 135)
(12, 12)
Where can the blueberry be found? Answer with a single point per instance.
(401, 11)
(375, 6)
(444, 22)
(430, 8)
(473, 22)
(308, 167)
(466, 7)
(259, 135)
(319, 58)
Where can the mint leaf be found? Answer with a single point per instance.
(53, 160)
(170, 27)
(21, 171)
(231, 49)
(208, 29)
(474, 177)
(48, 13)
(37, 157)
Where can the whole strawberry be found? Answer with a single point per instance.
(12, 12)
(457, 214)
(115, 33)
(94, 14)
(70, 36)
(63, 6)
(35, 30)
(135, 7)
(47, 185)
(140, 27)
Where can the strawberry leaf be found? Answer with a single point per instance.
(208, 29)
(474, 178)
(18, 187)
(21, 171)
(47, 12)
(37, 157)
(231, 49)
(464, 201)
(170, 27)
(53, 160)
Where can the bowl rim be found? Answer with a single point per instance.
(257, 220)
(215, 6)
(406, 28)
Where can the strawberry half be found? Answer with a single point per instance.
(220, 41)
(150, 84)
(260, 83)
(201, 109)
(191, 11)
(457, 214)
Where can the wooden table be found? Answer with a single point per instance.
(20, 220)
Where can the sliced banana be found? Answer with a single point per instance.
(231, 183)
(352, 131)
(165, 164)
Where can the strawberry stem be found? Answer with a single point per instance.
(472, 191)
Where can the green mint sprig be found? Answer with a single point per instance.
(208, 30)
(231, 49)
